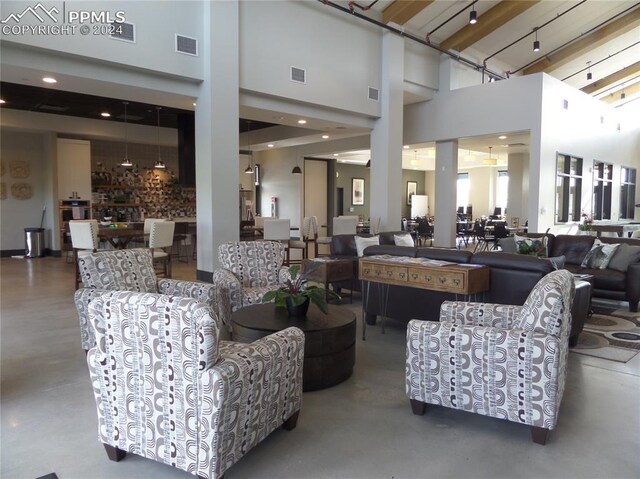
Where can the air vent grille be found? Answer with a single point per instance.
(53, 108)
(374, 94)
(298, 75)
(124, 31)
(516, 144)
(186, 45)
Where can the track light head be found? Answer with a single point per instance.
(623, 96)
(589, 76)
(536, 46)
(473, 17)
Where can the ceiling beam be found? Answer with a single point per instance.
(609, 80)
(401, 11)
(588, 42)
(493, 19)
(629, 91)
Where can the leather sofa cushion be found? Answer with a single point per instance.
(344, 245)
(513, 261)
(607, 279)
(444, 254)
(387, 237)
(390, 250)
(574, 248)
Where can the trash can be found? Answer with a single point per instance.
(33, 242)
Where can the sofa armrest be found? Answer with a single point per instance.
(633, 286)
(82, 297)
(228, 294)
(479, 314)
(507, 373)
(250, 392)
(201, 292)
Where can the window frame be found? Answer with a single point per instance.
(628, 211)
(570, 212)
(601, 198)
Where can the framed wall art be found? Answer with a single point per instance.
(412, 188)
(357, 191)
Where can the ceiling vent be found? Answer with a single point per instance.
(374, 94)
(511, 145)
(186, 45)
(125, 32)
(298, 75)
(53, 108)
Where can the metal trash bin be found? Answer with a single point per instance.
(33, 242)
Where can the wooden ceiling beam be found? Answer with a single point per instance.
(614, 97)
(493, 19)
(588, 42)
(401, 11)
(612, 79)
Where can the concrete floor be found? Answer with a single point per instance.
(362, 428)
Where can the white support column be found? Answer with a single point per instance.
(517, 194)
(446, 188)
(217, 138)
(386, 138)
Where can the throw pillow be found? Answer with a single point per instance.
(531, 246)
(362, 243)
(508, 244)
(624, 255)
(599, 255)
(403, 240)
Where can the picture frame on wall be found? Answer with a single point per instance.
(412, 189)
(357, 191)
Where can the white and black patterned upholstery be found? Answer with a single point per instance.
(501, 361)
(249, 269)
(167, 389)
(128, 270)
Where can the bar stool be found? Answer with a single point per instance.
(161, 238)
(279, 230)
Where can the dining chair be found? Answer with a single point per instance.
(279, 230)
(161, 239)
(345, 225)
(84, 240)
(258, 222)
(180, 236)
(320, 240)
(303, 243)
(374, 225)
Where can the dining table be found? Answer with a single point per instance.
(120, 237)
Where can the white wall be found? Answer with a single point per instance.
(341, 55)
(17, 214)
(156, 24)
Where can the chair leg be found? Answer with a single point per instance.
(539, 435)
(167, 271)
(292, 422)
(418, 407)
(114, 453)
(77, 268)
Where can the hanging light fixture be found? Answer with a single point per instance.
(296, 169)
(490, 161)
(589, 75)
(159, 164)
(126, 162)
(473, 15)
(536, 43)
(249, 169)
(623, 95)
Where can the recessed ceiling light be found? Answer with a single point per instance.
(502, 137)
(505, 146)
(270, 145)
(2, 102)
(194, 103)
(325, 137)
(105, 114)
(49, 80)
(302, 122)
(336, 154)
(406, 147)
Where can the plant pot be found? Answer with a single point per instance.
(297, 311)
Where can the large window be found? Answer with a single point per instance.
(602, 186)
(628, 193)
(568, 188)
(502, 191)
(464, 186)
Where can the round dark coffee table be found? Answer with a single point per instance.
(330, 339)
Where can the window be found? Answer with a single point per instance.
(502, 191)
(627, 193)
(568, 188)
(602, 186)
(464, 185)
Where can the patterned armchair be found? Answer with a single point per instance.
(167, 389)
(497, 360)
(127, 270)
(249, 269)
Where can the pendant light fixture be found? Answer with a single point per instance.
(473, 15)
(589, 75)
(536, 43)
(296, 170)
(490, 161)
(249, 169)
(126, 162)
(159, 164)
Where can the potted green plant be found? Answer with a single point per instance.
(296, 294)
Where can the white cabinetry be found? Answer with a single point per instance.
(74, 169)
